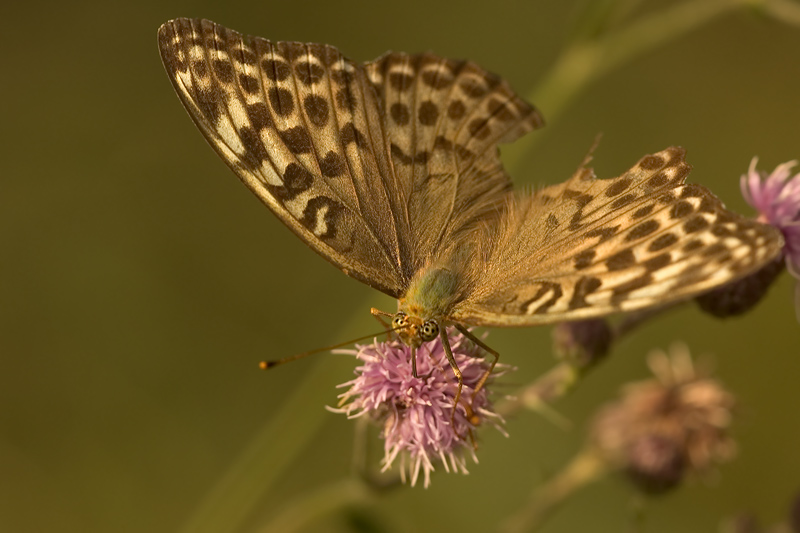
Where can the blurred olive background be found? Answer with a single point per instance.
(141, 282)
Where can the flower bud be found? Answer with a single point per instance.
(584, 342)
(663, 429)
(740, 296)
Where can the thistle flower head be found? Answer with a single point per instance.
(777, 198)
(662, 429)
(415, 413)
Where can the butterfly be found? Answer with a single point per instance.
(390, 170)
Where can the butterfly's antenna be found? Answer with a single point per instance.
(266, 365)
(584, 171)
(590, 154)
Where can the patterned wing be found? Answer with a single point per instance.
(444, 119)
(301, 126)
(589, 247)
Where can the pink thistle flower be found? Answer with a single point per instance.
(416, 412)
(777, 198)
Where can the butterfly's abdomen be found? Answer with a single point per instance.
(432, 293)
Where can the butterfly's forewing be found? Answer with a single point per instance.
(444, 119)
(591, 247)
(375, 167)
(302, 128)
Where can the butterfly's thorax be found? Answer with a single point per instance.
(431, 294)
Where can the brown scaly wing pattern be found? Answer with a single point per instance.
(375, 167)
(589, 247)
(444, 119)
(301, 127)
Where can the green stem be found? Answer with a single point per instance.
(314, 505)
(655, 30)
(274, 448)
(230, 503)
(584, 468)
(580, 63)
(786, 11)
(546, 389)
(566, 375)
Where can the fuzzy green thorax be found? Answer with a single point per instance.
(431, 294)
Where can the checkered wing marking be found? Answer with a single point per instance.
(302, 128)
(376, 167)
(444, 119)
(588, 247)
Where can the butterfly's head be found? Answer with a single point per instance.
(413, 330)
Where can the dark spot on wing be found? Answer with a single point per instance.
(400, 114)
(584, 287)
(428, 113)
(309, 73)
(681, 209)
(663, 241)
(249, 84)
(643, 211)
(651, 162)
(317, 109)
(642, 230)
(584, 258)
(297, 140)
(331, 165)
(281, 101)
(456, 110)
(223, 70)
(696, 223)
(622, 201)
(275, 70)
(618, 187)
(621, 260)
(658, 262)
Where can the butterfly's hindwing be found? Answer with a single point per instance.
(589, 247)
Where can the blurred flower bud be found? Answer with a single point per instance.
(794, 515)
(663, 429)
(741, 295)
(584, 342)
(743, 523)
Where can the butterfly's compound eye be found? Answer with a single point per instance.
(429, 330)
(400, 320)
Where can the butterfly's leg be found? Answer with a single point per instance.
(378, 314)
(452, 360)
(483, 345)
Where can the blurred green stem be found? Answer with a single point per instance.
(787, 11)
(538, 395)
(268, 455)
(583, 61)
(314, 505)
(586, 467)
(565, 376)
